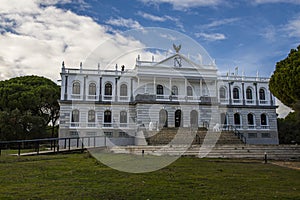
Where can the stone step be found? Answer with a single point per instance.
(282, 152)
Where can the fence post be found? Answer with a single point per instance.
(82, 145)
(54, 147)
(77, 142)
(69, 144)
(19, 148)
(57, 140)
(37, 147)
(94, 141)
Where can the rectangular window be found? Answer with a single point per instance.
(265, 135)
(90, 134)
(108, 134)
(74, 134)
(252, 135)
(123, 134)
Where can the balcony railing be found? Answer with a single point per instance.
(264, 126)
(251, 127)
(249, 101)
(76, 96)
(123, 98)
(107, 97)
(91, 97)
(237, 101)
(263, 102)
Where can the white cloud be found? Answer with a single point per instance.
(293, 27)
(162, 19)
(122, 22)
(269, 33)
(211, 36)
(220, 22)
(151, 17)
(35, 39)
(184, 4)
(276, 1)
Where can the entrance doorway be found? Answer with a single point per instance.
(178, 118)
(163, 118)
(194, 118)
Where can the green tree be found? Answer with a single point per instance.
(28, 105)
(288, 129)
(285, 81)
(285, 85)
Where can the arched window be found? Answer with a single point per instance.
(194, 118)
(174, 90)
(76, 88)
(189, 91)
(262, 94)
(236, 93)
(223, 118)
(91, 116)
(159, 90)
(108, 89)
(222, 93)
(123, 90)
(163, 118)
(249, 93)
(237, 120)
(263, 120)
(250, 119)
(123, 117)
(75, 116)
(107, 118)
(92, 89)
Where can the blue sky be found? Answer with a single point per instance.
(37, 35)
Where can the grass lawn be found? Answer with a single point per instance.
(79, 176)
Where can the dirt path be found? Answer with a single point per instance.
(292, 165)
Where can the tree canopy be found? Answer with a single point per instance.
(285, 82)
(28, 105)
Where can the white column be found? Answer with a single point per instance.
(154, 85)
(200, 93)
(216, 83)
(185, 86)
(170, 85)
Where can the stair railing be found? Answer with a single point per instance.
(236, 132)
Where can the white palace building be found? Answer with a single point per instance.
(174, 92)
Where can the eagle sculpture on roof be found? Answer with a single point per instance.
(177, 48)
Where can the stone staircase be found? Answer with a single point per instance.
(242, 151)
(190, 136)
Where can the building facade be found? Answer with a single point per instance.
(174, 92)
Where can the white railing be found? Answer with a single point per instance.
(263, 102)
(249, 101)
(107, 125)
(264, 126)
(237, 101)
(91, 125)
(237, 126)
(251, 127)
(91, 97)
(76, 96)
(224, 101)
(162, 97)
(123, 98)
(74, 124)
(107, 97)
